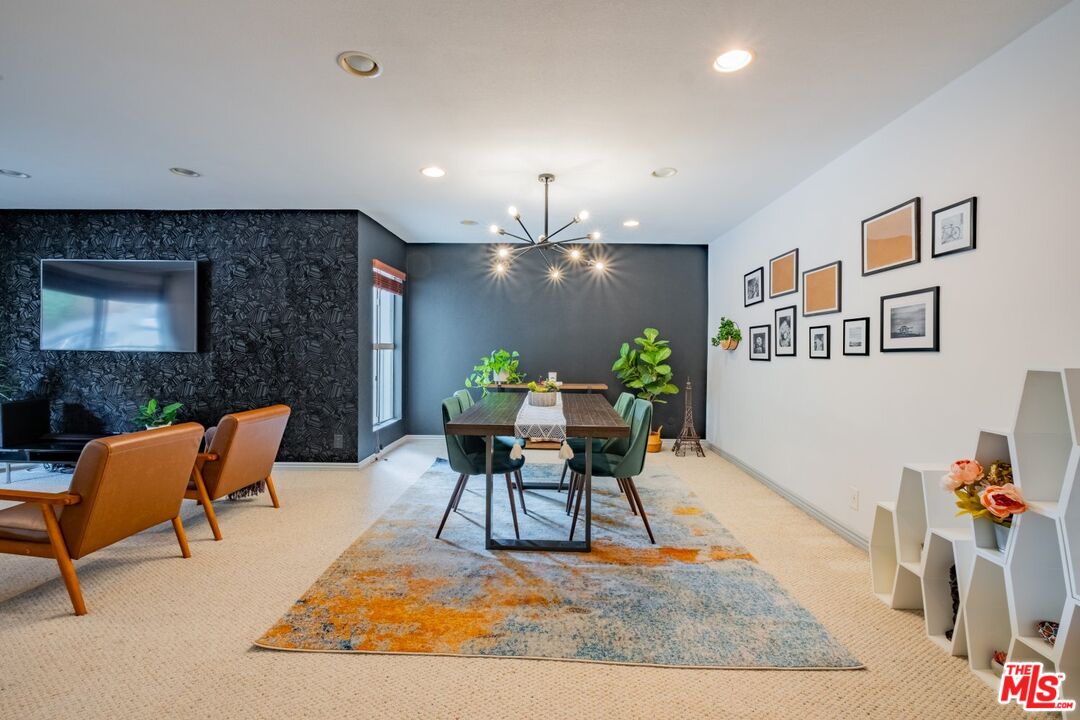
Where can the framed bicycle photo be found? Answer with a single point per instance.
(953, 228)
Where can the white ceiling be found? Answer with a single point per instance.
(99, 99)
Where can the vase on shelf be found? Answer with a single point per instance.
(1001, 534)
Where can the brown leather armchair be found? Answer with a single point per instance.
(122, 485)
(241, 452)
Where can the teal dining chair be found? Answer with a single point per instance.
(624, 467)
(466, 400)
(467, 456)
(624, 406)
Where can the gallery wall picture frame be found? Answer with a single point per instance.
(820, 341)
(822, 289)
(911, 321)
(891, 239)
(759, 345)
(786, 331)
(784, 274)
(952, 228)
(754, 287)
(857, 336)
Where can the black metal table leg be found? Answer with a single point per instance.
(588, 494)
(489, 486)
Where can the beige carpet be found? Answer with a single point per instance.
(169, 637)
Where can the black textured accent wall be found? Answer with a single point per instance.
(279, 322)
(456, 311)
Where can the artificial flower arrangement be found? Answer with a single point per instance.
(985, 494)
(544, 387)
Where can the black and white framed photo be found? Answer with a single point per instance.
(785, 331)
(910, 321)
(857, 336)
(953, 228)
(819, 342)
(754, 287)
(759, 342)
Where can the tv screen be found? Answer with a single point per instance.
(119, 305)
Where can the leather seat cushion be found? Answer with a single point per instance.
(23, 522)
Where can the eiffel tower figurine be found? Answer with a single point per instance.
(688, 438)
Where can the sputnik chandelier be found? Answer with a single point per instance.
(568, 248)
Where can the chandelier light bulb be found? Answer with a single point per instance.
(594, 235)
(500, 267)
(599, 266)
(555, 273)
(542, 238)
(494, 229)
(582, 216)
(575, 254)
(513, 212)
(504, 252)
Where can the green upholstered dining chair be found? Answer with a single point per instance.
(624, 405)
(467, 456)
(466, 400)
(621, 466)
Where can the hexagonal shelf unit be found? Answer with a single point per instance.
(1036, 581)
(947, 548)
(986, 617)
(1043, 436)
(991, 447)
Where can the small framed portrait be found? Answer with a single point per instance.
(784, 274)
(910, 321)
(754, 287)
(819, 342)
(785, 331)
(953, 228)
(857, 336)
(759, 342)
(821, 290)
(891, 238)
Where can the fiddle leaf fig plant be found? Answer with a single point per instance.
(645, 368)
(151, 415)
(500, 366)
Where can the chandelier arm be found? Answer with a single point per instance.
(519, 222)
(561, 229)
(569, 240)
(518, 237)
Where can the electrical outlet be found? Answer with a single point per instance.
(853, 498)
(339, 440)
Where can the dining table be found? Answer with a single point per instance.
(588, 416)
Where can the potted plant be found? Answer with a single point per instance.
(989, 495)
(646, 370)
(151, 415)
(728, 335)
(501, 366)
(544, 394)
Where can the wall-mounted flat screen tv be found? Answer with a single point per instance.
(119, 305)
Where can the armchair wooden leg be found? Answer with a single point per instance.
(273, 491)
(565, 467)
(181, 536)
(641, 508)
(452, 504)
(521, 490)
(513, 510)
(629, 498)
(461, 491)
(67, 569)
(204, 498)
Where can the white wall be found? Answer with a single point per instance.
(1008, 132)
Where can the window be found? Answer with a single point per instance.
(386, 343)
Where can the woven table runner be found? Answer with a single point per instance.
(546, 423)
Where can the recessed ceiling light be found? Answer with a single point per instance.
(733, 60)
(184, 172)
(664, 172)
(359, 64)
(630, 223)
(14, 174)
(432, 171)
(468, 222)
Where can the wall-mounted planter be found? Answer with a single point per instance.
(729, 344)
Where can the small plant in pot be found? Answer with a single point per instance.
(728, 335)
(501, 366)
(153, 415)
(543, 394)
(645, 369)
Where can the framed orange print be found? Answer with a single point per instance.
(821, 290)
(891, 238)
(784, 274)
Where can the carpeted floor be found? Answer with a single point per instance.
(168, 637)
(694, 599)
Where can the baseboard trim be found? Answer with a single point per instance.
(818, 514)
(315, 466)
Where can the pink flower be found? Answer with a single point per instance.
(1003, 500)
(963, 472)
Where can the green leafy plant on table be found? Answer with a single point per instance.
(152, 415)
(545, 387)
(501, 366)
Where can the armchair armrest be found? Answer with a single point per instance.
(203, 458)
(39, 497)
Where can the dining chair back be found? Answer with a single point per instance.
(465, 398)
(624, 406)
(633, 461)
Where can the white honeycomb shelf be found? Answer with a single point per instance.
(1004, 592)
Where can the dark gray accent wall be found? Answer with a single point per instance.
(457, 311)
(282, 307)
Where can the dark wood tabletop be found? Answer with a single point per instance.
(565, 387)
(586, 416)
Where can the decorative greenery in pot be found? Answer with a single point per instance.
(151, 415)
(986, 494)
(728, 335)
(501, 366)
(646, 370)
(543, 394)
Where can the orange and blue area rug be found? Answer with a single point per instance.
(695, 599)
